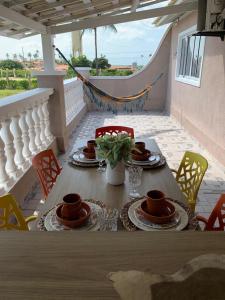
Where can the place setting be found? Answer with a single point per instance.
(87, 156)
(154, 212)
(140, 156)
(74, 213)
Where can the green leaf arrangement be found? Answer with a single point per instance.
(114, 148)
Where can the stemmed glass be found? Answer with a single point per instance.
(135, 174)
(101, 167)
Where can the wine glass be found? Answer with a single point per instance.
(135, 174)
(101, 167)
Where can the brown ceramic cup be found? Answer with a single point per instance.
(140, 146)
(71, 206)
(156, 202)
(91, 144)
(88, 153)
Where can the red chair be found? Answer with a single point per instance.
(114, 130)
(48, 169)
(217, 215)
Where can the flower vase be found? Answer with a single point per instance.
(115, 176)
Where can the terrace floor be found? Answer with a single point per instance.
(172, 139)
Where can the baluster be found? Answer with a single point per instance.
(7, 137)
(32, 146)
(43, 138)
(18, 143)
(48, 133)
(25, 136)
(5, 180)
(37, 127)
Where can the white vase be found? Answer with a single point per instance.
(115, 176)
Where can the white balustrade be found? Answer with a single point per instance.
(24, 131)
(74, 100)
(48, 133)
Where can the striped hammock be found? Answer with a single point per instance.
(105, 101)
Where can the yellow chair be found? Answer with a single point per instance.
(190, 174)
(9, 210)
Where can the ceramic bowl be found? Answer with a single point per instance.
(167, 213)
(81, 219)
(140, 156)
(89, 154)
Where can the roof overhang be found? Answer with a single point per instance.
(23, 18)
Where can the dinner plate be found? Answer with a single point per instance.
(154, 159)
(178, 224)
(93, 224)
(79, 157)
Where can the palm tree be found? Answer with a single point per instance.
(107, 27)
(7, 55)
(30, 56)
(15, 56)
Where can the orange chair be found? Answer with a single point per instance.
(48, 169)
(114, 130)
(217, 215)
(10, 212)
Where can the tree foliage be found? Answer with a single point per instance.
(81, 61)
(11, 64)
(102, 63)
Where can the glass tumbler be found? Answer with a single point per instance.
(135, 174)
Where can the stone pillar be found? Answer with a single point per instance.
(56, 105)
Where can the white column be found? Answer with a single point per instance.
(37, 127)
(48, 133)
(32, 146)
(43, 137)
(7, 137)
(4, 178)
(48, 52)
(25, 136)
(18, 142)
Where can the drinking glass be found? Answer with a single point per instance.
(135, 174)
(108, 218)
(101, 167)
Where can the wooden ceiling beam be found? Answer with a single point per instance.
(140, 15)
(15, 17)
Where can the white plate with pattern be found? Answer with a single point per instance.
(93, 224)
(178, 224)
(78, 156)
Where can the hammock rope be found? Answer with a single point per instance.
(107, 102)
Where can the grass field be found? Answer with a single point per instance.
(5, 93)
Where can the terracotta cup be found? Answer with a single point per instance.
(156, 202)
(140, 146)
(71, 206)
(91, 144)
(88, 153)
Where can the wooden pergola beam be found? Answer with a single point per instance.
(106, 20)
(17, 18)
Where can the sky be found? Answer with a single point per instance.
(133, 42)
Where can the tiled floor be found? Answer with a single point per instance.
(172, 139)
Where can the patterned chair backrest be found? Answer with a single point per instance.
(190, 174)
(9, 213)
(216, 221)
(113, 130)
(48, 169)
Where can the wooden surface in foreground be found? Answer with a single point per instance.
(72, 265)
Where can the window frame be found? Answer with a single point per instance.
(184, 78)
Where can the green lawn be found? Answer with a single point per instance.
(5, 93)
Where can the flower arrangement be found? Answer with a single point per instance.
(114, 148)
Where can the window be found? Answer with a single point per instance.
(190, 57)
